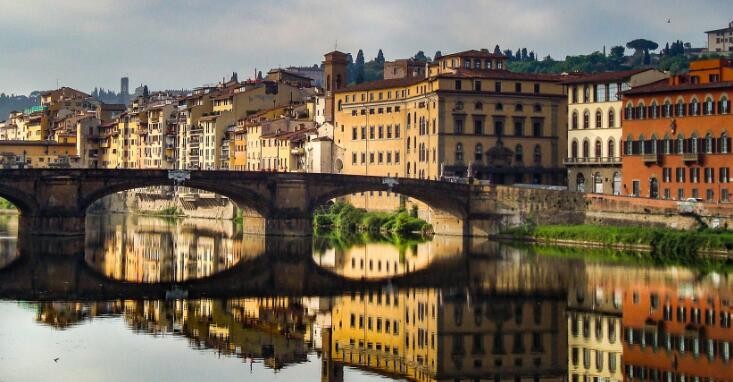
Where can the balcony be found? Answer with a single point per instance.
(593, 161)
(297, 151)
(690, 157)
(650, 158)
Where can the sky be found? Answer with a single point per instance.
(183, 44)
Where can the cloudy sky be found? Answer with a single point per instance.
(182, 44)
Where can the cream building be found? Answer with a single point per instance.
(721, 40)
(594, 127)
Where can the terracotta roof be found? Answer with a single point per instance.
(604, 76)
(381, 84)
(720, 30)
(663, 86)
(289, 73)
(501, 74)
(474, 53)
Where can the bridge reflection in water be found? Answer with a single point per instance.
(443, 310)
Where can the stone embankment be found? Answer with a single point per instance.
(186, 205)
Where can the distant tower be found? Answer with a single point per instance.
(335, 78)
(124, 90)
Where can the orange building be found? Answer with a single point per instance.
(676, 141)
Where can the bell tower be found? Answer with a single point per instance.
(334, 78)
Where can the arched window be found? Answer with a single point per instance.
(680, 144)
(642, 141)
(667, 148)
(537, 108)
(628, 112)
(599, 148)
(574, 149)
(518, 154)
(599, 119)
(629, 144)
(724, 105)
(654, 110)
(693, 143)
(459, 152)
(586, 119)
(708, 106)
(680, 108)
(328, 82)
(653, 145)
(724, 143)
(519, 107)
(338, 81)
(537, 155)
(586, 149)
(611, 148)
(709, 143)
(667, 109)
(479, 152)
(479, 106)
(574, 124)
(694, 107)
(611, 118)
(640, 111)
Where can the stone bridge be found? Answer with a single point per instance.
(54, 201)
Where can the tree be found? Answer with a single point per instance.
(518, 55)
(640, 46)
(259, 75)
(666, 49)
(421, 57)
(646, 59)
(509, 53)
(380, 57)
(497, 50)
(524, 54)
(531, 56)
(437, 55)
(359, 67)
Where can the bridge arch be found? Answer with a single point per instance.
(449, 210)
(25, 204)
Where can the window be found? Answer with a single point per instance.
(517, 87)
(479, 152)
(519, 153)
(458, 126)
(497, 86)
(458, 84)
(667, 110)
(478, 126)
(666, 175)
(680, 108)
(537, 155)
(574, 149)
(477, 86)
(518, 127)
(599, 119)
(536, 88)
(519, 107)
(586, 119)
(499, 107)
(499, 128)
(586, 149)
(724, 105)
(380, 130)
(599, 149)
(708, 144)
(635, 188)
(611, 148)
(723, 176)
(723, 145)
(708, 106)
(459, 152)
(536, 128)
(353, 133)
(680, 174)
(371, 132)
(478, 106)
(574, 122)
(537, 108)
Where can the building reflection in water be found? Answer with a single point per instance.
(8, 238)
(151, 249)
(521, 318)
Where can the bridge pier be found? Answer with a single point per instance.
(52, 225)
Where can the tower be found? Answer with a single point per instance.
(335, 78)
(124, 90)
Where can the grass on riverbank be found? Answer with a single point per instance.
(667, 245)
(344, 217)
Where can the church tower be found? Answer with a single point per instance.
(334, 78)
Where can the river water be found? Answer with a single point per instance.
(149, 299)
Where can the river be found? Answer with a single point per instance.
(145, 298)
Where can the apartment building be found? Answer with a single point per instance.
(676, 139)
(38, 154)
(721, 40)
(594, 133)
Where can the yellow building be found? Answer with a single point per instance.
(38, 154)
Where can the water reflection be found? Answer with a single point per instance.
(369, 257)
(8, 238)
(151, 249)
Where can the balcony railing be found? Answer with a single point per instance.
(650, 158)
(690, 157)
(590, 161)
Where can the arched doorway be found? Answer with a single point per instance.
(597, 183)
(653, 188)
(616, 183)
(580, 183)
